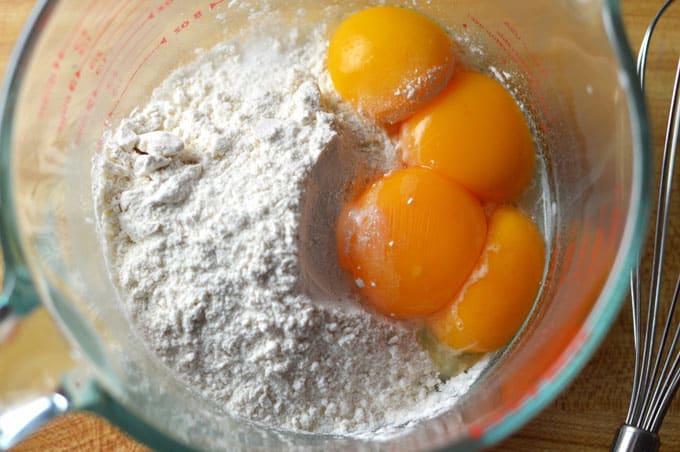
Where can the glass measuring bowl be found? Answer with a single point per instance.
(81, 64)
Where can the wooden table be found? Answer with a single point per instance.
(585, 417)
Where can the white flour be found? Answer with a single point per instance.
(216, 203)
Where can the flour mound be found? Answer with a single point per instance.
(206, 199)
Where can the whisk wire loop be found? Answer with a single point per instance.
(637, 293)
(649, 386)
(671, 377)
(654, 384)
(642, 377)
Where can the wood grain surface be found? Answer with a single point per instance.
(586, 416)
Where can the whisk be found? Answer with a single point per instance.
(657, 361)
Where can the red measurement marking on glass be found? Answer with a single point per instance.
(103, 17)
(534, 82)
(110, 19)
(97, 62)
(111, 85)
(580, 268)
(476, 431)
(183, 25)
(569, 255)
(574, 346)
(159, 9)
(75, 30)
(97, 65)
(533, 65)
(134, 73)
(600, 253)
(90, 46)
(599, 249)
(124, 20)
(51, 81)
(73, 83)
(82, 43)
(186, 22)
(145, 24)
(142, 25)
(197, 14)
(56, 64)
(62, 114)
(127, 59)
(149, 16)
(484, 29)
(531, 55)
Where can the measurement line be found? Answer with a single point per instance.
(131, 53)
(95, 94)
(131, 35)
(119, 49)
(51, 79)
(134, 74)
(96, 23)
(124, 20)
(110, 64)
(584, 248)
(76, 29)
(531, 55)
(111, 19)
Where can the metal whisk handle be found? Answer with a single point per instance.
(633, 439)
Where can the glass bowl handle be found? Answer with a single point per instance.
(17, 300)
(19, 422)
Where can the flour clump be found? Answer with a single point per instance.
(216, 202)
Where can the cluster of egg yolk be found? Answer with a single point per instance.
(419, 243)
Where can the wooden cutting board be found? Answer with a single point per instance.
(586, 416)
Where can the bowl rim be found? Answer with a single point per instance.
(599, 320)
(610, 300)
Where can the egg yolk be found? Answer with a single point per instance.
(389, 61)
(410, 241)
(474, 133)
(493, 305)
